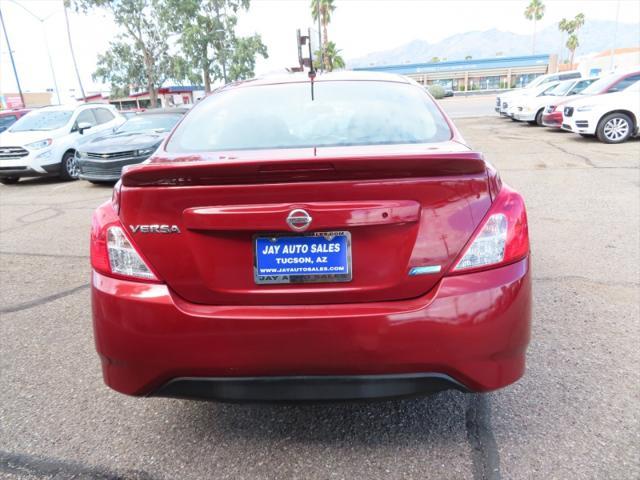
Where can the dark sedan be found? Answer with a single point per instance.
(102, 159)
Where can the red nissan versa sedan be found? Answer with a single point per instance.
(297, 241)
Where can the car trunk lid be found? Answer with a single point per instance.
(397, 209)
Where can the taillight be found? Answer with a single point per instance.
(112, 252)
(502, 238)
(115, 197)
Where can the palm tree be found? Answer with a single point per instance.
(322, 9)
(332, 57)
(571, 27)
(572, 44)
(535, 12)
(563, 26)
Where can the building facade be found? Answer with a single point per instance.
(471, 75)
(167, 97)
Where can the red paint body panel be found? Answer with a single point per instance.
(553, 119)
(326, 215)
(473, 327)
(212, 263)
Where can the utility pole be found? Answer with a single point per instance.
(73, 56)
(13, 64)
(615, 35)
(46, 43)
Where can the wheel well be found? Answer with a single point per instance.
(69, 150)
(633, 118)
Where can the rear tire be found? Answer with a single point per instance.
(9, 180)
(69, 169)
(615, 128)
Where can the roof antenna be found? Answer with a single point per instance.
(306, 61)
(312, 69)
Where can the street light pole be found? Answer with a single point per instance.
(46, 43)
(13, 64)
(615, 35)
(73, 56)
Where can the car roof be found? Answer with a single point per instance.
(15, 111)
(346, 75)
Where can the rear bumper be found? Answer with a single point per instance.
(470, 333)
(308, 388)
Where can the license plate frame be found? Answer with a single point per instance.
(302, 278)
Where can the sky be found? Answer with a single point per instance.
(358, 27)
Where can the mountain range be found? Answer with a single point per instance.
(594, 36)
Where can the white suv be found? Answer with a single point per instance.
(503, 101)
(613, 118)
(43, 142)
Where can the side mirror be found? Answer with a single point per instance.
(82, 126)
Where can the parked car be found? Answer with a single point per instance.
(43, 141)
(613, 118)
(611, 83)
(131, 113)
(503, 101)
(9, 117)
(281, 245)
(517, 100)
(102, 158)
(531, 108)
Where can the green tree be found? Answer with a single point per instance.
(243, 57)
(534, 11)
(571, 27)
(435, 59)
(206, 33)
(323, 9)
(562, 26)
(139, 57)
(333, 58)
(437, 91)
(468, 57)
(572, 44)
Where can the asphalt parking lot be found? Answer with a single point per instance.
(574, 414)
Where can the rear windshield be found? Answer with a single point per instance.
(343, 113)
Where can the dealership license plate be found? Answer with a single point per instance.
(312, 258)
